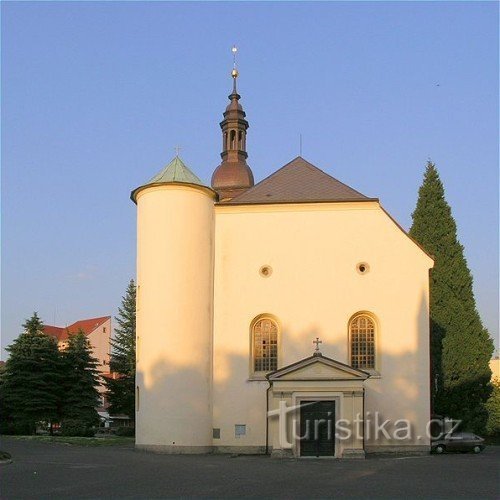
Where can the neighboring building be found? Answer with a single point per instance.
(235, 282)
(98, 332)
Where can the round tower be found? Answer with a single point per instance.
(175, 238)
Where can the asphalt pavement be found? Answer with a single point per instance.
(52, 470)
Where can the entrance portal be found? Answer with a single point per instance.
(317, 428)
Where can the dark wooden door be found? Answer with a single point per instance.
(317, 428)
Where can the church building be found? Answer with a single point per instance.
(288, 317)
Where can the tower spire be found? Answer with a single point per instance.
(233, 176)
(234, 72)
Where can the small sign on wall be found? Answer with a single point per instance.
(240, 430)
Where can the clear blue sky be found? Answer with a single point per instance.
(95, 96)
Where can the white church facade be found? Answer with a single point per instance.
(288, 317)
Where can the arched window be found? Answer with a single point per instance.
(233, 139)
(265, 345)
(362, 342)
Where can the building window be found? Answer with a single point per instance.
(363, 268)
(362, 342)
(103, 329)
(265, 345)
(266, 271)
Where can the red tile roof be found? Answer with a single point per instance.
(86, 325)
(53, 331)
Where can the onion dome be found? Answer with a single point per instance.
(233, 176)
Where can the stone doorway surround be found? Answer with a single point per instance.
(316, 378)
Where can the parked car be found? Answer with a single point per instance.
(458, 441)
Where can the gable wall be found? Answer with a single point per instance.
(100, 341)
(313, 291)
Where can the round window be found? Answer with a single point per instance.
(266, 271)
(362, 268)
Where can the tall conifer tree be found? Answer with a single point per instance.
(493, 407)
(121, 390)
(6, 422)
(81, 396)
(33, 374)
(460, 346)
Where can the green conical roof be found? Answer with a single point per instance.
(175, 171)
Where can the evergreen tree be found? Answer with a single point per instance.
(6, 421)
(121, 390)
(493, 407)
(460, 346)
(31, 384)
(81, 396)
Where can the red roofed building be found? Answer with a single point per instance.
(98, 331)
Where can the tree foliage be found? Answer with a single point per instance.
(40, 383)
(81, 396)
(493, 407)
(31, 383)
(121, 390)
(460, 346)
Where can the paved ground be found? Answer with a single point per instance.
(49, 470)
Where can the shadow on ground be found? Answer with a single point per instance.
(52, 470)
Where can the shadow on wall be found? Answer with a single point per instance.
(165, 377)
(404, 383)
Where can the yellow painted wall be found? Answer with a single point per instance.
(175, 230)
(495, 368)
(100, 341)
(314, 290)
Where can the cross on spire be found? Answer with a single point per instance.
(234, 72)
(177, 150)
(234, 49)
(317, 342)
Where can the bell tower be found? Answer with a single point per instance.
(233, 176)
